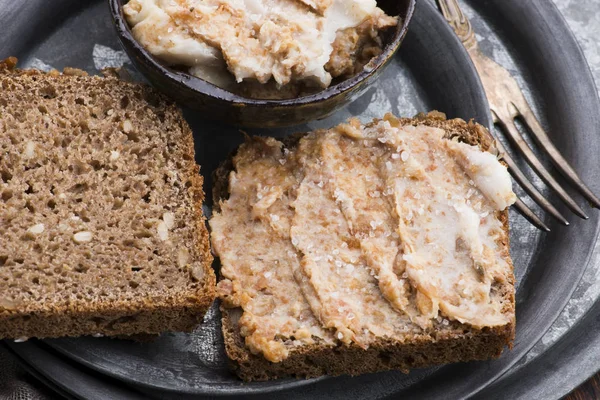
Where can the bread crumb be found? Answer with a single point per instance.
(83, 236)
(21, 339)
(36, 229)
(74, 72)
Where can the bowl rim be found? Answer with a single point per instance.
(199, 86)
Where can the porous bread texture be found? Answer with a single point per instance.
(101, 230)
(442, 344)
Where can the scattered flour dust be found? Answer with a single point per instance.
(105, 57)
(379, 102)
(36, 63)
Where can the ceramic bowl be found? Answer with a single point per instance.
(216, 103)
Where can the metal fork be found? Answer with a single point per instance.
(508, 103)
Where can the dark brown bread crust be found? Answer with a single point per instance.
(445, 344)
(450, 346)
(179, 309)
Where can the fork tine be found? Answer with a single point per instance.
(527, 185)
(530, 216)
(557, 159)
(515, 136)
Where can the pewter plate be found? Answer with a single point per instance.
(431, 71)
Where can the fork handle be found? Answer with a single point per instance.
(459, 22)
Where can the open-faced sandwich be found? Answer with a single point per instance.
(364, 248)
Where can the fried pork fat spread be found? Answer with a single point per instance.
(281, 41)
(360, 233)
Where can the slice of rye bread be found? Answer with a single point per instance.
(101, 223)
(444, 344)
